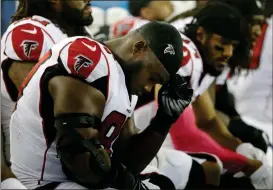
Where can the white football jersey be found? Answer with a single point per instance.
(33, 144)
(25, 40)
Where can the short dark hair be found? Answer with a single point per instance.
(136, 5)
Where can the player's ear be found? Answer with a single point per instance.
(139, 47)
(201, 35)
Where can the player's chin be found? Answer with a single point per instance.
(87, 20)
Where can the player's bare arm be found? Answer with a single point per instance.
(5, 170)
(130, 141)
(207, 120)
(78, 101)
(18, 71)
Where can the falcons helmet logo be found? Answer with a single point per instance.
(82, 61)
(28, 46)
(169, 49)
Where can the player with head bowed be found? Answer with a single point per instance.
(73, 119)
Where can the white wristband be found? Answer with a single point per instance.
(12, 183)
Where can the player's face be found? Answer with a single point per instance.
(161, 9)
(148, 72)
(78, 11)
(256, 27)
(219, 50)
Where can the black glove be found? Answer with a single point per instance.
(173, 98)
(124, 179)
(247, 133)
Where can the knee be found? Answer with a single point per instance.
(212, 167)
(212, 172)
(197, 176)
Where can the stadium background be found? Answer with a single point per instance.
(104, 12)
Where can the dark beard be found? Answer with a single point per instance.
(75, 16)
(207, 65)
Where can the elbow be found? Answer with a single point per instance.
(206, 124)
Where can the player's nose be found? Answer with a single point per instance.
(228, 52)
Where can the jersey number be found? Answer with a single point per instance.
(111, 128)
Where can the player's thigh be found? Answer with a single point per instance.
(176, 165)
(213, 167)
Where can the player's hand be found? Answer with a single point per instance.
(257, 137)
(252, 152)
(124, 179)
(260, 174)
(262, 178)
(173, 98)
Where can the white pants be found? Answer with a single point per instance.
(175, 165)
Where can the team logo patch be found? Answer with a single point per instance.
(28, 46)
(82, 61)
(169, 49)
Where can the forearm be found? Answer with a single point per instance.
(141, 149)
(224, 118)
(218, 131)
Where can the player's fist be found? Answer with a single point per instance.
(173, 98)
(262, 178)
(252, 152)
(124, 179)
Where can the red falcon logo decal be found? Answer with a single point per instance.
(27, 42)
(28, 46)
(83, 56)
(82, 61)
